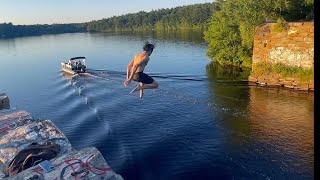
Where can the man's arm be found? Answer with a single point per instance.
(129, 68)
(133, 69)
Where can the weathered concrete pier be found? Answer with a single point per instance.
(24, 139)
(292, 47)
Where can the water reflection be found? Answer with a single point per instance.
(284, 120)
(66, 76)
(255, 133)
(230, 91)
(263, 122)
(224, 73)
(7, 46)
(187, 36)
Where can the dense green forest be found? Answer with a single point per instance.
(231, 29)
(8, 30)
(184, 17)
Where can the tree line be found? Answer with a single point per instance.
(8, 30)
(184, 17)
(230, 32)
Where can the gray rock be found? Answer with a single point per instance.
(90, 157)
(16, 133)
(4, 101)
(19, 129)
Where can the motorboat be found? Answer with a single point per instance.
(75, 65)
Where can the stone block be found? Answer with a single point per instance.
(265, 78)
(296, 24)
(289, 86)
(304, 33)
(273, 81)
(295, 84)
(289, 79)
(299, 39)
(291, 47)
(311, 84)
(286, 83)
(277, 35)
(262, 84)
(272, 85)
(301, 88)
(269, 46)
(308, 39)
(292, 31)
(308, 24)
(308, 45)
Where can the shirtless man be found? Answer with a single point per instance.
(135, 71)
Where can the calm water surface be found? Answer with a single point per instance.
(202, 123)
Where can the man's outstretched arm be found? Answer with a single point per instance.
(129, 77)
(133, 69)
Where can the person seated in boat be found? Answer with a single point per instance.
(79, 65)
(76, 65)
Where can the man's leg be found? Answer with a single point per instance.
(153, 85)
(141, 91)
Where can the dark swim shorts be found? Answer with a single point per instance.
(142, 77)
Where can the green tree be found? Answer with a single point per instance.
(185, 17)
(231, 29)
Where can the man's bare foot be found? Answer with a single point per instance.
(141, 93)
(137, 88)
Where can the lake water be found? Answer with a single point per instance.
(203, 122)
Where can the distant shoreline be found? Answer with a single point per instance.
(119, 31)
(191, 17)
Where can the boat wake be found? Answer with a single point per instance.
(172, 87)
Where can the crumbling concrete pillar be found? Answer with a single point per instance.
(4, 101)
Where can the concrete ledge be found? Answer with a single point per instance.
(290, 83)
(19, 129)
(92, 159)
(278, 85)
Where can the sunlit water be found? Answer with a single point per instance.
(202, 123)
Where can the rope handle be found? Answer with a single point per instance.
(95, 170)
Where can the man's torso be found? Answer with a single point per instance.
(142, 59)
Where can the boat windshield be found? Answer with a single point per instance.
(77, 61)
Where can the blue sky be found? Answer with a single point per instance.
(66, 11)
